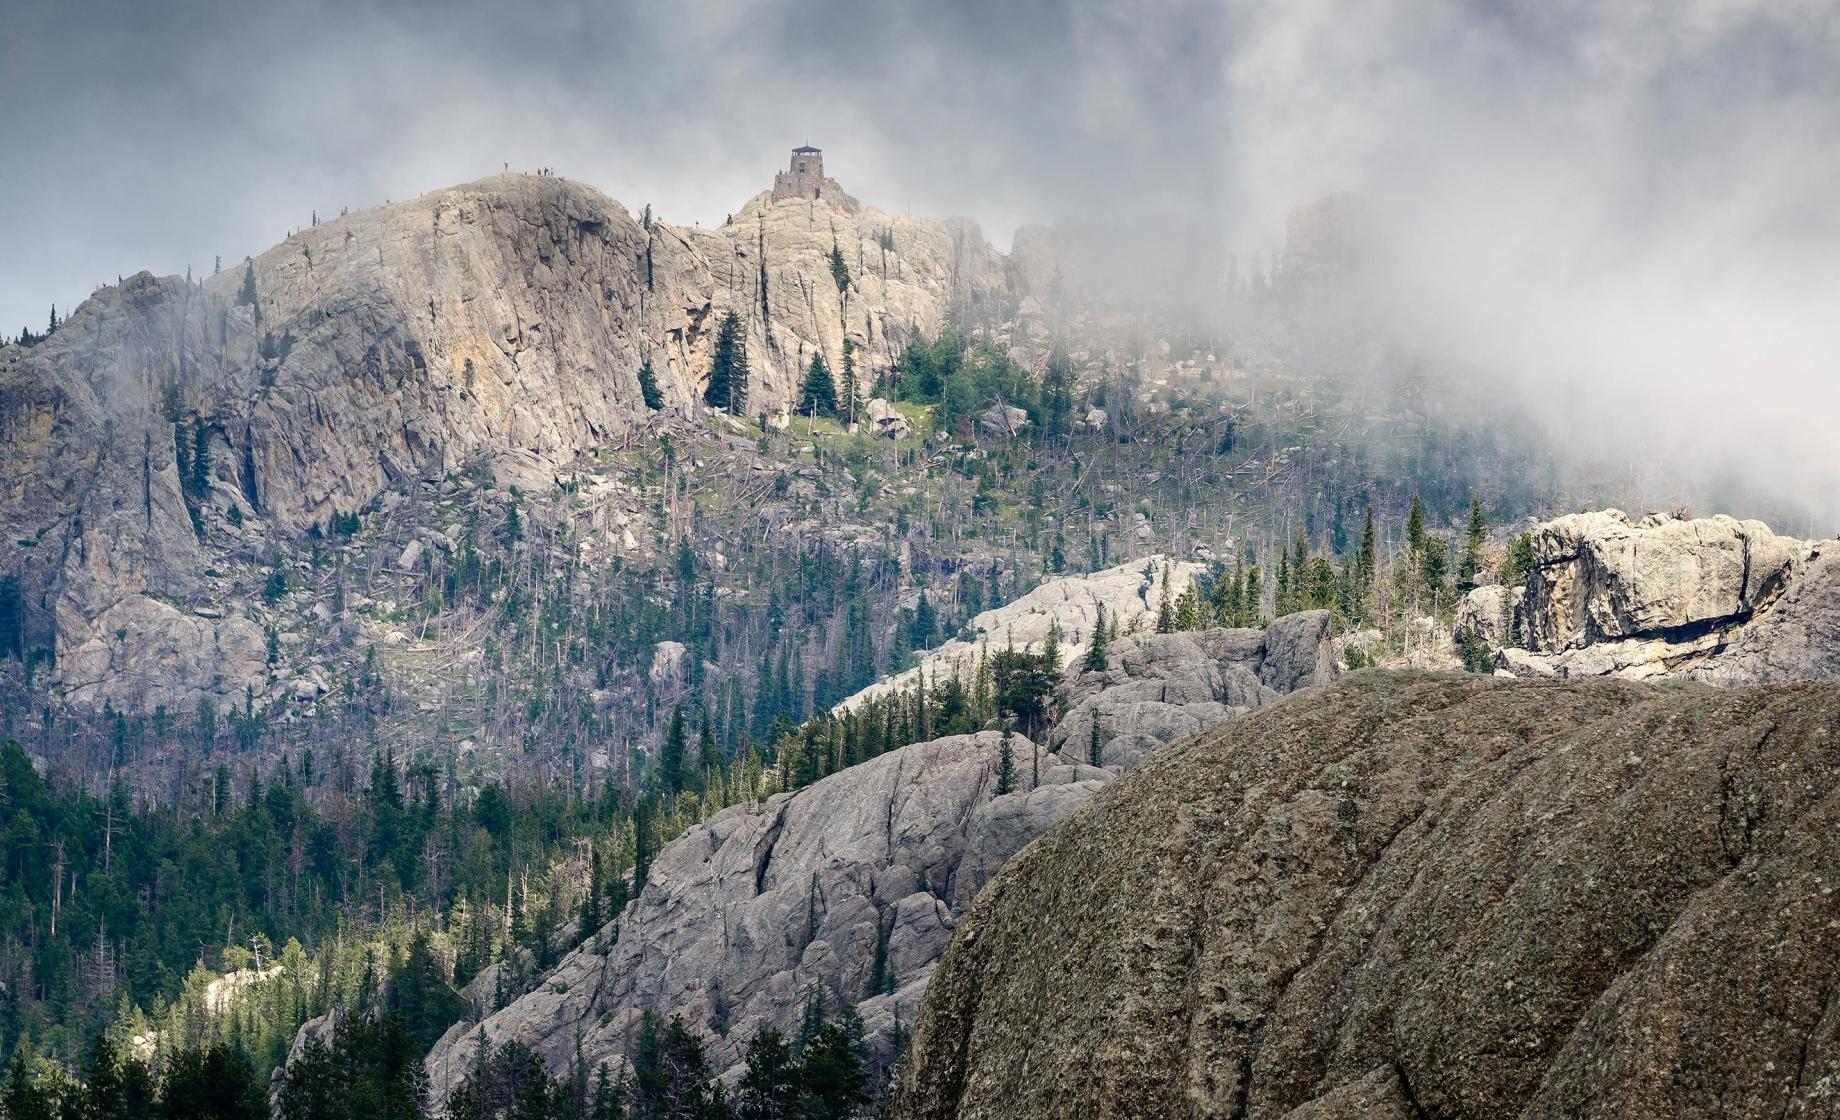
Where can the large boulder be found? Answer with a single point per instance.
(1003, 421)
(1714, 599)
(1603, 576)
(1486, 615)
(1420, 895)
(885, 420)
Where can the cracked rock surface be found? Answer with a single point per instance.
(1412, 894)
(742, 914)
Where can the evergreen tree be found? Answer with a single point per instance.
(1095, 648)
(246, 295)
(1057, 395)
(1415, 525)
(848, 390)
(1519, 561)
(770, 1089)
(671, 757)
(840, 272)
(23, 1098)
(925, 623)
(834, 1070)
(1093, 749)
(708, 756)
(728, 372)
(1475, 539)
(217, 1083)
(671, 1078)
(421, 996)
(648, 387)
(1006, 766)
(1165, 609)
(643, 847)
(1366, 564)
(819, 396)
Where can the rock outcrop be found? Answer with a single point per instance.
(741, 915)
(1796, 639)
(502, 320)
(1158, 688)
(1130, 594)
(1714, 598)
(1601, 577)
(1420, 895)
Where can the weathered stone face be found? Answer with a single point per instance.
(1601, 577)
(741, 915)
(503, 320)
(1713, 599)
(1417, 894)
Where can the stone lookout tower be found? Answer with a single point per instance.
(805, 178)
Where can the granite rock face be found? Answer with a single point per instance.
(1796, 639)
(503, 320)
(741, 915)
(1420, 895)
(1159, 688)
(1713, 599)
(1487, 615)
(1603, 577)
(1129, 594)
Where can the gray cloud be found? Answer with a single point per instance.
(1624, 212)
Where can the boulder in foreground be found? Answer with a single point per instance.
(1421, 895)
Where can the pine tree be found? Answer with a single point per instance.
(1006, 766)
(1475, 538)
(246, 295)
(925, 623)
(728, 371)
(671, 756)
(848, 390)
(1093, 751)
(840, 272)
(22, 1098)
(770, 1088)
(1365, 565)
(643, 850)
(1415, 525)
(820, 393)
(708, 757)
(1165, 610)
(648, 387)
(1095, 649)
(1057, 395)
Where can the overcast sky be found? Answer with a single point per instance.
(1628, 207)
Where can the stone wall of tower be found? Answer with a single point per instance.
(804, 178)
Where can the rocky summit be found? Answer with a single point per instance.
(507, 317)
(1414, 894)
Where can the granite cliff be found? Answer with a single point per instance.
(169, 426)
